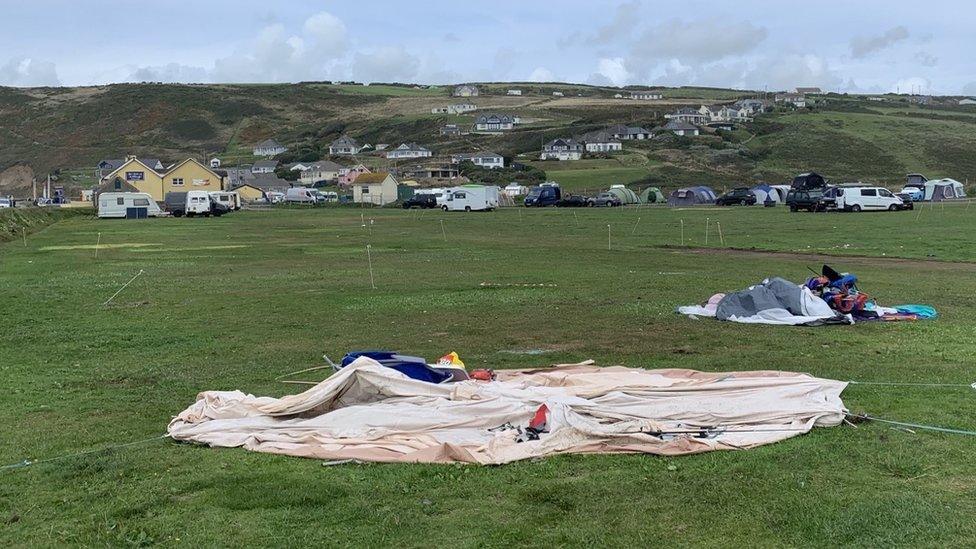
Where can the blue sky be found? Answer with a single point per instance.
(864, 45)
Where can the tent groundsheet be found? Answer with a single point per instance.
(372, 413)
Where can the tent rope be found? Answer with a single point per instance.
(28, 462)
(907, 384)
(866, 417)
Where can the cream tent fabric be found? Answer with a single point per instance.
(373, 413)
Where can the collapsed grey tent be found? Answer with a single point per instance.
(773, 301)
(369, 412)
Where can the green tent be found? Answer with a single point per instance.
(625, 195)
(651, 195)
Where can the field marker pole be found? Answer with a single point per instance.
(721, 238)
(443, 231)
(98, 241)
(520, 216)
(635, 226)
(682, 232)
(123, 287)
(24, 230)
(706, 231)
(369, 260)
(576, 217)
(362, 219)
(608, 236)
(919, 214)
(371, 227)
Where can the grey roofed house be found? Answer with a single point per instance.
(344, 145)
(813, 91)
(460, 157)
(450, 129)
(268, 144)
(599, 136)
(563, 144)
(326, 166)
(268, 147)
(264, 166)
(269, 182)
(679, 125)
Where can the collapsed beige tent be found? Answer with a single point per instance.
(372, 413)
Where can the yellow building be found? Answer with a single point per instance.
(189, 175)
(249, 193)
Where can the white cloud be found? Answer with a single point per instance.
(387, 64)
(863, 46)
(613, 70)
(27, 72)
(542, 74)
(926, 59)
(172, 72)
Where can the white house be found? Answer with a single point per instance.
(466, 90)
(495, 122)
(601, 141)
(558, 94)
(689, 115)
(269, 147)
(796, 99)
(488, 160)
(214, 163)
(628, 133)
(562, 149)
(965, 101)
(461, 108)
(345, 145)
(409, 150)
(264, 166)
(318, 172)
(514, 92)
(645, 95)
(378, 188)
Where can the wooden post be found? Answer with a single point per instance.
(369, 260)
(98, 241)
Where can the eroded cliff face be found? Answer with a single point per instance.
(16, 180)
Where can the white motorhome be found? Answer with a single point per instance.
(228, 198)
(438, 193)
(470, 198)
(300, 195)
(127, 205)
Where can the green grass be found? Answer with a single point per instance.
(231, 303)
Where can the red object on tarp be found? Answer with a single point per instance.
(540, 421)
(482, 374)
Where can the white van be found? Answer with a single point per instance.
(300, 195)
(856, 199)
(470, 198)
(127, 205)
(228, 198)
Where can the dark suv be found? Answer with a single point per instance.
(741, 196)
(422, 201)
(804, 200)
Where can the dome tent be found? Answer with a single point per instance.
(938, 190)
(764, 192)
(651, 195)
(691, 196)
(625, 195)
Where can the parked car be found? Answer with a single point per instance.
(546, 194)
(574, 201)
(606, 199)
(741, 196)
(907, 200)
(804, 200)
(422, 201)
(916, 194)
(856, 199)
(6, 203)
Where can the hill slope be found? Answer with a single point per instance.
(842, 137)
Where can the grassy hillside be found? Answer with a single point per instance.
(845, 138)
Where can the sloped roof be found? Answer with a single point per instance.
(368, 178)
(266, 164)
(345, 140)
(269, 144)
(679, 125)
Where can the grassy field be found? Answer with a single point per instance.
(231, 303)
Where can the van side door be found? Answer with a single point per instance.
(869, 199)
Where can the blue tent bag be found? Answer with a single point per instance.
(410, 366)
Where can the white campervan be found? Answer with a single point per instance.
(228, 198)
(300, 195)
(470, 198)
(127, 205)
(856, 199)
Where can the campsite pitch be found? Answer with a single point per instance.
(234, 302)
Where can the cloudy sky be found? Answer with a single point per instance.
(867, 45)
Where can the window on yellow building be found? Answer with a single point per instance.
(177, 181)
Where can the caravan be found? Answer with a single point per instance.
(228, 198)
(470, 198)
(127, 205)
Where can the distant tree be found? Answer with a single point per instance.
(286, 174)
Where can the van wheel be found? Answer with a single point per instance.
(177, 214)
(893, 208)
(467, 208)
(856, 208)
(444, 208)
(189, 214)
